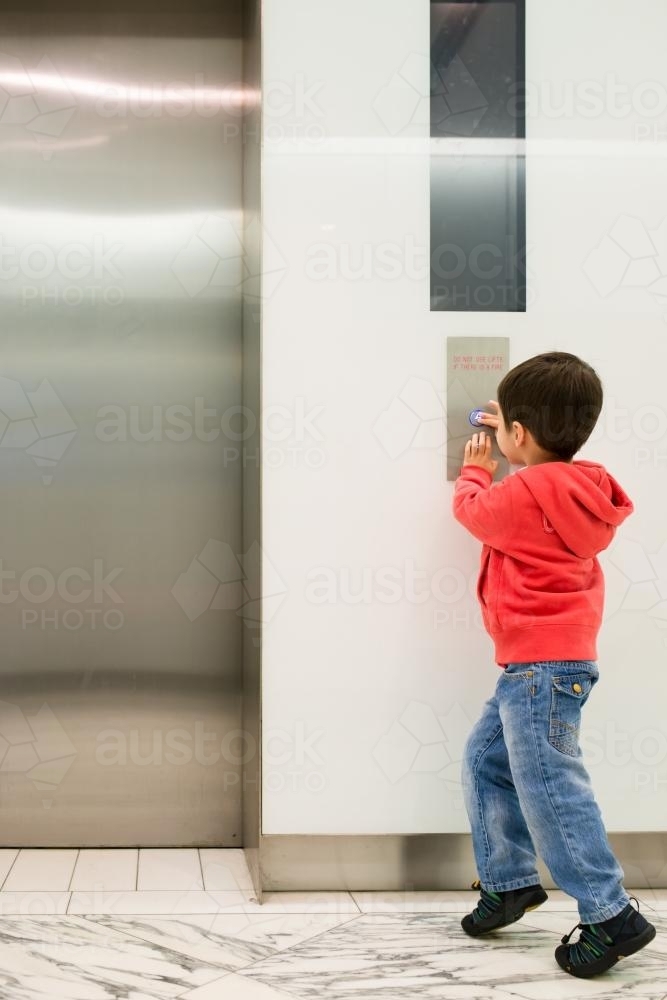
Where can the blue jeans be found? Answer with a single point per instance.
(526, 788)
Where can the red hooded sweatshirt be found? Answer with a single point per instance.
(540, 585)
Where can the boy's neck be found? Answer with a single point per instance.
(541, 458)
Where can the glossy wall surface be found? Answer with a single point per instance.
(120, 393)
(376, 665)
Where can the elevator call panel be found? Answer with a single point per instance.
(475, 366)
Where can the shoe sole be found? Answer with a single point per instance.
(475, 932)
(613, 956)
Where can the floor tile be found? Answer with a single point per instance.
(307, 902)
(462, 901)
(177, 902)
(233, 987)
(560, 901)
(169, 868)
(75, 959)
(415, 902)
(394, 956)
(101, 870)
(314, 956)
(639, 982)
(225, 869)
(33, 904)
(168, 902)
(455, 901)
(654, 897)
(231, 940)
(8, 856)
(41, 869)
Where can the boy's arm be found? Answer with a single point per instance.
(485, 508)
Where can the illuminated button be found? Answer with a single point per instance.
(474, 418)
(577, 688)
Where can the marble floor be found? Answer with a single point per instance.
(153, 924)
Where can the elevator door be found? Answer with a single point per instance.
(121, 434)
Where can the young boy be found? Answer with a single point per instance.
(541, 591)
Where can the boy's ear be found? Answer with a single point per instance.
(519, 433)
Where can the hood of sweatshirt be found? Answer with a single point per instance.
(581, 501)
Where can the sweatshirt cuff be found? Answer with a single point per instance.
(476, 474)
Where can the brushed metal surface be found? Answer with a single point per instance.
(421, 862)
(475, 366)
(122, 579)
(252, 361)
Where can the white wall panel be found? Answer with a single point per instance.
(367, 700)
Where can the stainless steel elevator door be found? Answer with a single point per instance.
(121, 435)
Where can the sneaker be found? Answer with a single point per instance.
(602, 945)
(498, 909)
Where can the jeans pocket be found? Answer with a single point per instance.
(568, 695)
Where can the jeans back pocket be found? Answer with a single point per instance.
(568, 695)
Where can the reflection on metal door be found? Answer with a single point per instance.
(122, 574)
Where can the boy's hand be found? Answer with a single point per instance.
(478, 452)
(490, 419)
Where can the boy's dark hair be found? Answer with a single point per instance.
(557, 397)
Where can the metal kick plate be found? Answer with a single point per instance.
(475, 366)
